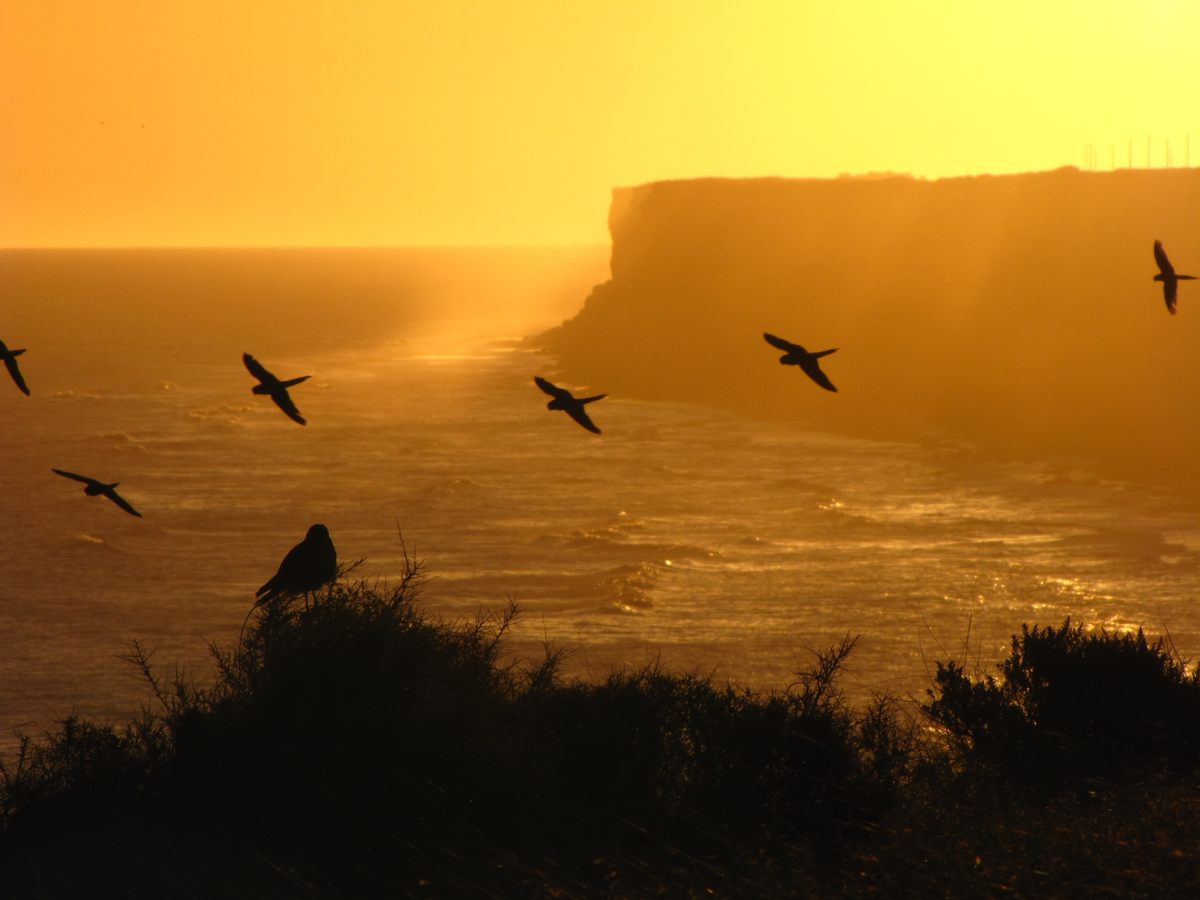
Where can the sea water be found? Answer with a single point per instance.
(683, 536)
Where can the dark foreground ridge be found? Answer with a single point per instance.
(358, 748)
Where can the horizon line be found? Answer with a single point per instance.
(463, 246)
(482, 245)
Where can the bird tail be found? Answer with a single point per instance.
(1180, 277)
(821, 353)
(22, 350)
(292, 382)
(592, 399)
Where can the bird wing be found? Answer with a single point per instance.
(284, 401)
(275, 584)
(121, 502)
(256, 369)
(1170, 292)
(82, 478)
(1160, 257)
(786, 346)
(551, 389)
(813, 370)
(10, 363)
(268, 591)
(285, 576)
(579, 414)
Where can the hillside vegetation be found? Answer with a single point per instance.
(358, 748)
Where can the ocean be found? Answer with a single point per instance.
(683, 535)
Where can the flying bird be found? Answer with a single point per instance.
(795, 355)
(99, 488)
(1166, 274)
(306, 567)
(568, 403)
(276, 389)
(10, 363)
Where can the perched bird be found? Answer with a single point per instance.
(795, 355)
(10, 363)
(1166, 274)
(276, 389)
(568, 403)
(307, 566)
(97, 488)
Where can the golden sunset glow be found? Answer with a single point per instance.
(481, 122)
(599, 448)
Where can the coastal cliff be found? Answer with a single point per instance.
(1015, 313)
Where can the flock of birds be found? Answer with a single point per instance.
(794, 355)
(313, 562)
(307, 566)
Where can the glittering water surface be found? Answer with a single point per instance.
(707, 541)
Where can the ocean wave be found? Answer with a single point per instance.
(460, 484)
(118, 440)
(75, 395)
(451, 358)
(1147, 545)
(616, 530)
(627, 588)
(672, 554)
(797, 483)
(224, 415)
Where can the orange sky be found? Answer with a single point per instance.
(146, 122)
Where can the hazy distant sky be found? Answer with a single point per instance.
(151, 122)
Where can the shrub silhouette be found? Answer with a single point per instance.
(358, 726)
(361, 748)
(1092, 704)
(652, 746)
(81, 773)
(357, 713)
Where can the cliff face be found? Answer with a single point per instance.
(1016, 312)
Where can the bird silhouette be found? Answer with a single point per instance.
(568, 403)
(306, 567)
(10, 363)
(273, 387)
(1167, 275)
(795, 355)
(96, 488)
